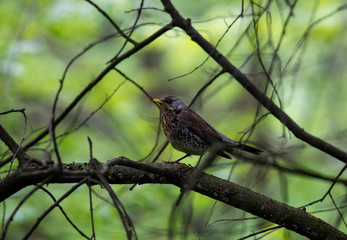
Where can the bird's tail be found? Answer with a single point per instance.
(243, 147)
(231, 145)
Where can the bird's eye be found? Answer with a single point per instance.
(168, 101)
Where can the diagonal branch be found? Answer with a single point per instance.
(55, 204)
(91, 85)
(112, 23)
(13, 146)
(299, 132)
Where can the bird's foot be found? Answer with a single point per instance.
(178, 160)
(173, 162)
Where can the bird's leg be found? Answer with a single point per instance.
(193, 179)
(178, 160)
(199, 161)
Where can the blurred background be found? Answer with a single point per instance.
(302, 46)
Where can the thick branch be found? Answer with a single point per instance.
(299, 132)
(124, 171)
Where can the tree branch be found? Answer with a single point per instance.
(299, 132)
(124, 171)
(13, 146)
(92, 84)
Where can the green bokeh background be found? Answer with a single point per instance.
(39, 38)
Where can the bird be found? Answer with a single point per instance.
(190, 133)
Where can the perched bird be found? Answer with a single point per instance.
(189, 133)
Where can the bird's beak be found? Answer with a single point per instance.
(158, 101)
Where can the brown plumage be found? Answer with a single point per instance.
(191, 134)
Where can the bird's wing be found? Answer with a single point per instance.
(205, 131)
(199, 126)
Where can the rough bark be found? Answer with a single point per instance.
(125, 171)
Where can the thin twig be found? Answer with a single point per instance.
(112, 23)
(127, 223)
(329, 190)
(150, 98)
(64, 213)
(131, 32)
(45, 213)
(259, 232)
(21, 158)
(26, 197)
(92, 84)
(282, 116)
(338, 210)
(91, 212)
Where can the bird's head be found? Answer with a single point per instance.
(171, 102)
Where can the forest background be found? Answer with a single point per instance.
(294, 52)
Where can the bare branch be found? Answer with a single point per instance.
(113, 23)
(40, 183)
(125, 218)
(45, 213)
(122, 170)
(64, 213)
(283, 117)
(92, 84)
(11, 144)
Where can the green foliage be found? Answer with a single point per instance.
(40, 38)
